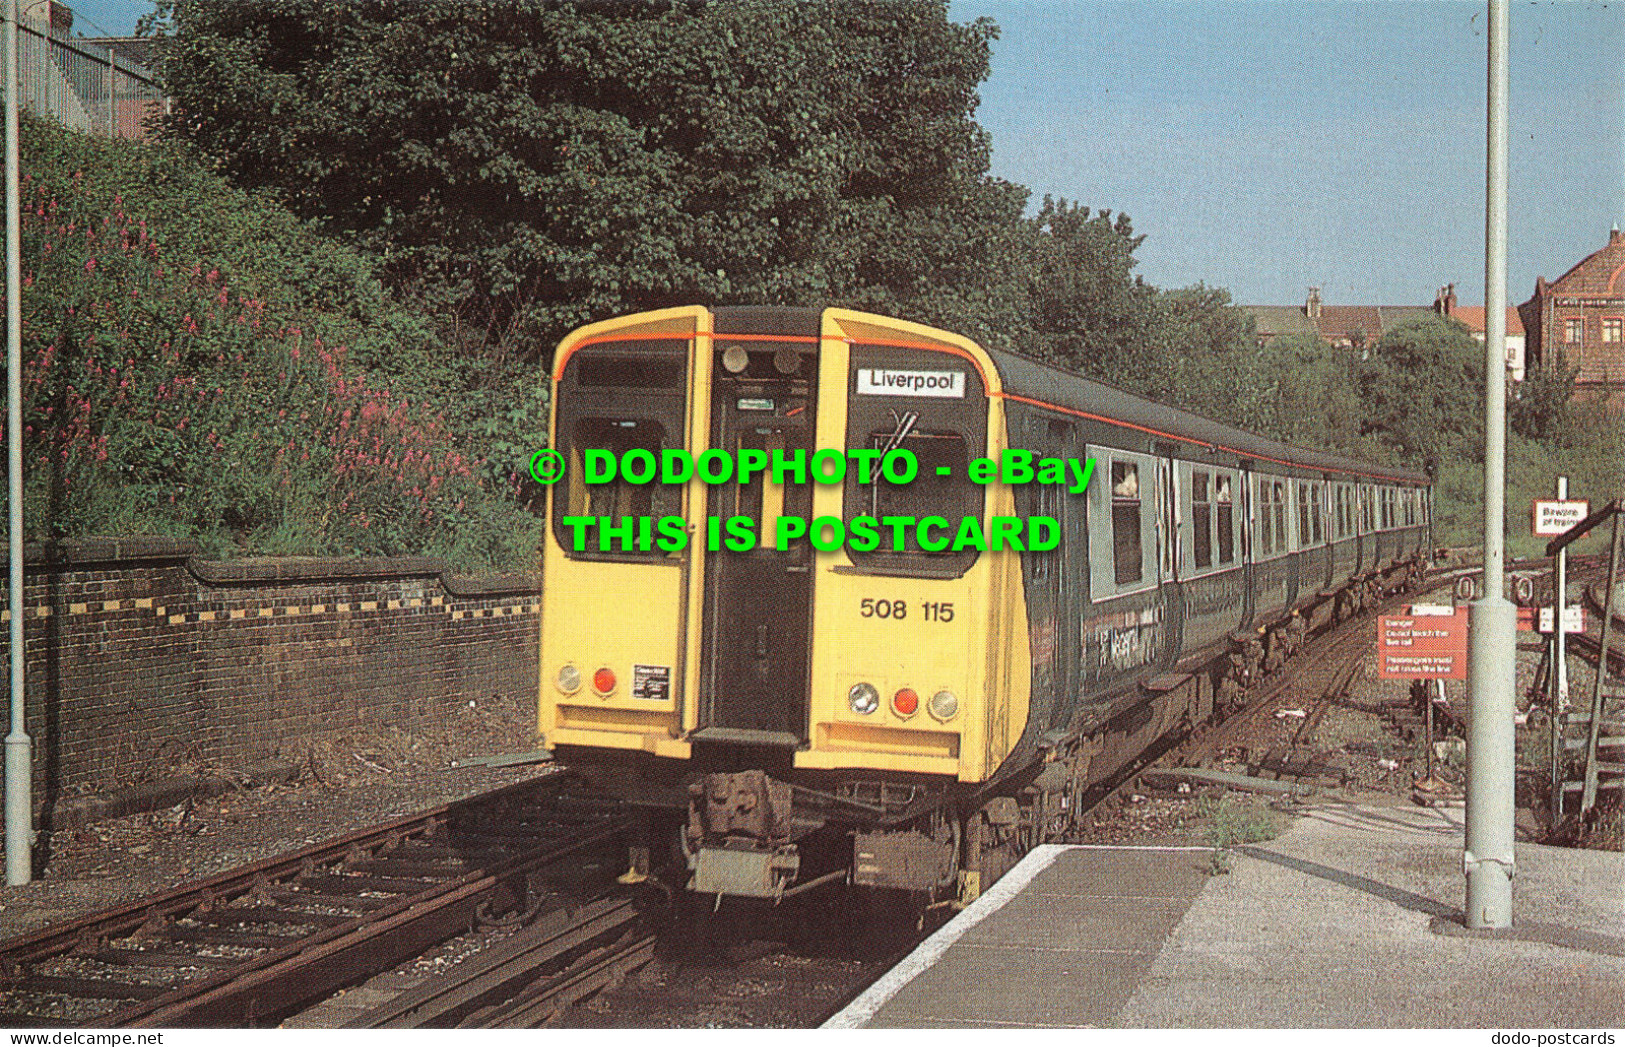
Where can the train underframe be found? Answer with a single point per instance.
(735, 822)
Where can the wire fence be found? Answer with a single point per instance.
(86, 85)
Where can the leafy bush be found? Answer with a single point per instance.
(200, 364)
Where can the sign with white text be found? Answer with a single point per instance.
(1422, 646)
(1553, 517)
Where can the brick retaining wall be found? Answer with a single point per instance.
(141, 656)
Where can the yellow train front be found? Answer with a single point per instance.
(882, 711)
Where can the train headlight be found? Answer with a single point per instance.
(863, 698)
(905, 703)
(735, 359)
(569, 680)
(603, 681)
(944, 705)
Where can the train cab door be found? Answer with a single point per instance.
(755, 652)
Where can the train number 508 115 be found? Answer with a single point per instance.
(884, 608)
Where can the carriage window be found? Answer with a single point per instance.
(1315, 513)
(1201, 521)
(1126, 540)
(1224, 499)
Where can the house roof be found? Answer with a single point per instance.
(1276, 320)
(1598, 272)
(1335, 321)
(1473, 317)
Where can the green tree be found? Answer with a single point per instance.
(1214, 364)
(1423, 391)
(1539, 405)
(1089, 310)
(526, 166)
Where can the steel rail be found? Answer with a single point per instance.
(447, 870)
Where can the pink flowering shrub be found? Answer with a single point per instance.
(164, 396)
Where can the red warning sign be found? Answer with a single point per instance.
(1431, 645)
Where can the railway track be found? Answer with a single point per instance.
(249, 946)
(253, 945)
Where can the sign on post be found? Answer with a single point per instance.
(1430, 643)
(1553, 517)
(1539, 619)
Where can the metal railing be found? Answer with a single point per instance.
(85, 85)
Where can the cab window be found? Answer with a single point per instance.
(625, 397)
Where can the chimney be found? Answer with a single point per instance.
(1450, 300)
(1613, 235)
(1312, 307)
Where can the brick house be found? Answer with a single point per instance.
(1353, 327)
(1582, 315)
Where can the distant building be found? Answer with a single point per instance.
(1354, 327)
(1473, 316)
(1582, 315)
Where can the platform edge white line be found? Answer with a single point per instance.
(855, 1014)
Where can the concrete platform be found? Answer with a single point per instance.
(1350, 919)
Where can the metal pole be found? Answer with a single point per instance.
(1560, 661)
(1588, 793)
(1559, 682)
(112, 92)
(1491, 764)
(19, 747)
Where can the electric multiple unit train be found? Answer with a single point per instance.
(910, 712)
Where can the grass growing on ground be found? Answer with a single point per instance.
(1231, 823)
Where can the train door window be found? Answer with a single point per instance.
(1317, 511)
(1278, 503)
(1127, 538)
(1123, 553)
(1305, 506)
(1224, 511)
(1168, 517)
(1201, 520)
(1266, 519)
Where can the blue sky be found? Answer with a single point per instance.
(1268, 146)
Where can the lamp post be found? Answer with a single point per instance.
(1493, 621)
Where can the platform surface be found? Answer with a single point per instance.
(1349, 919)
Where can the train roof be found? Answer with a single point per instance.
(1032, 381)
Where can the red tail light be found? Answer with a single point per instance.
(905, 702)
(603, 681)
